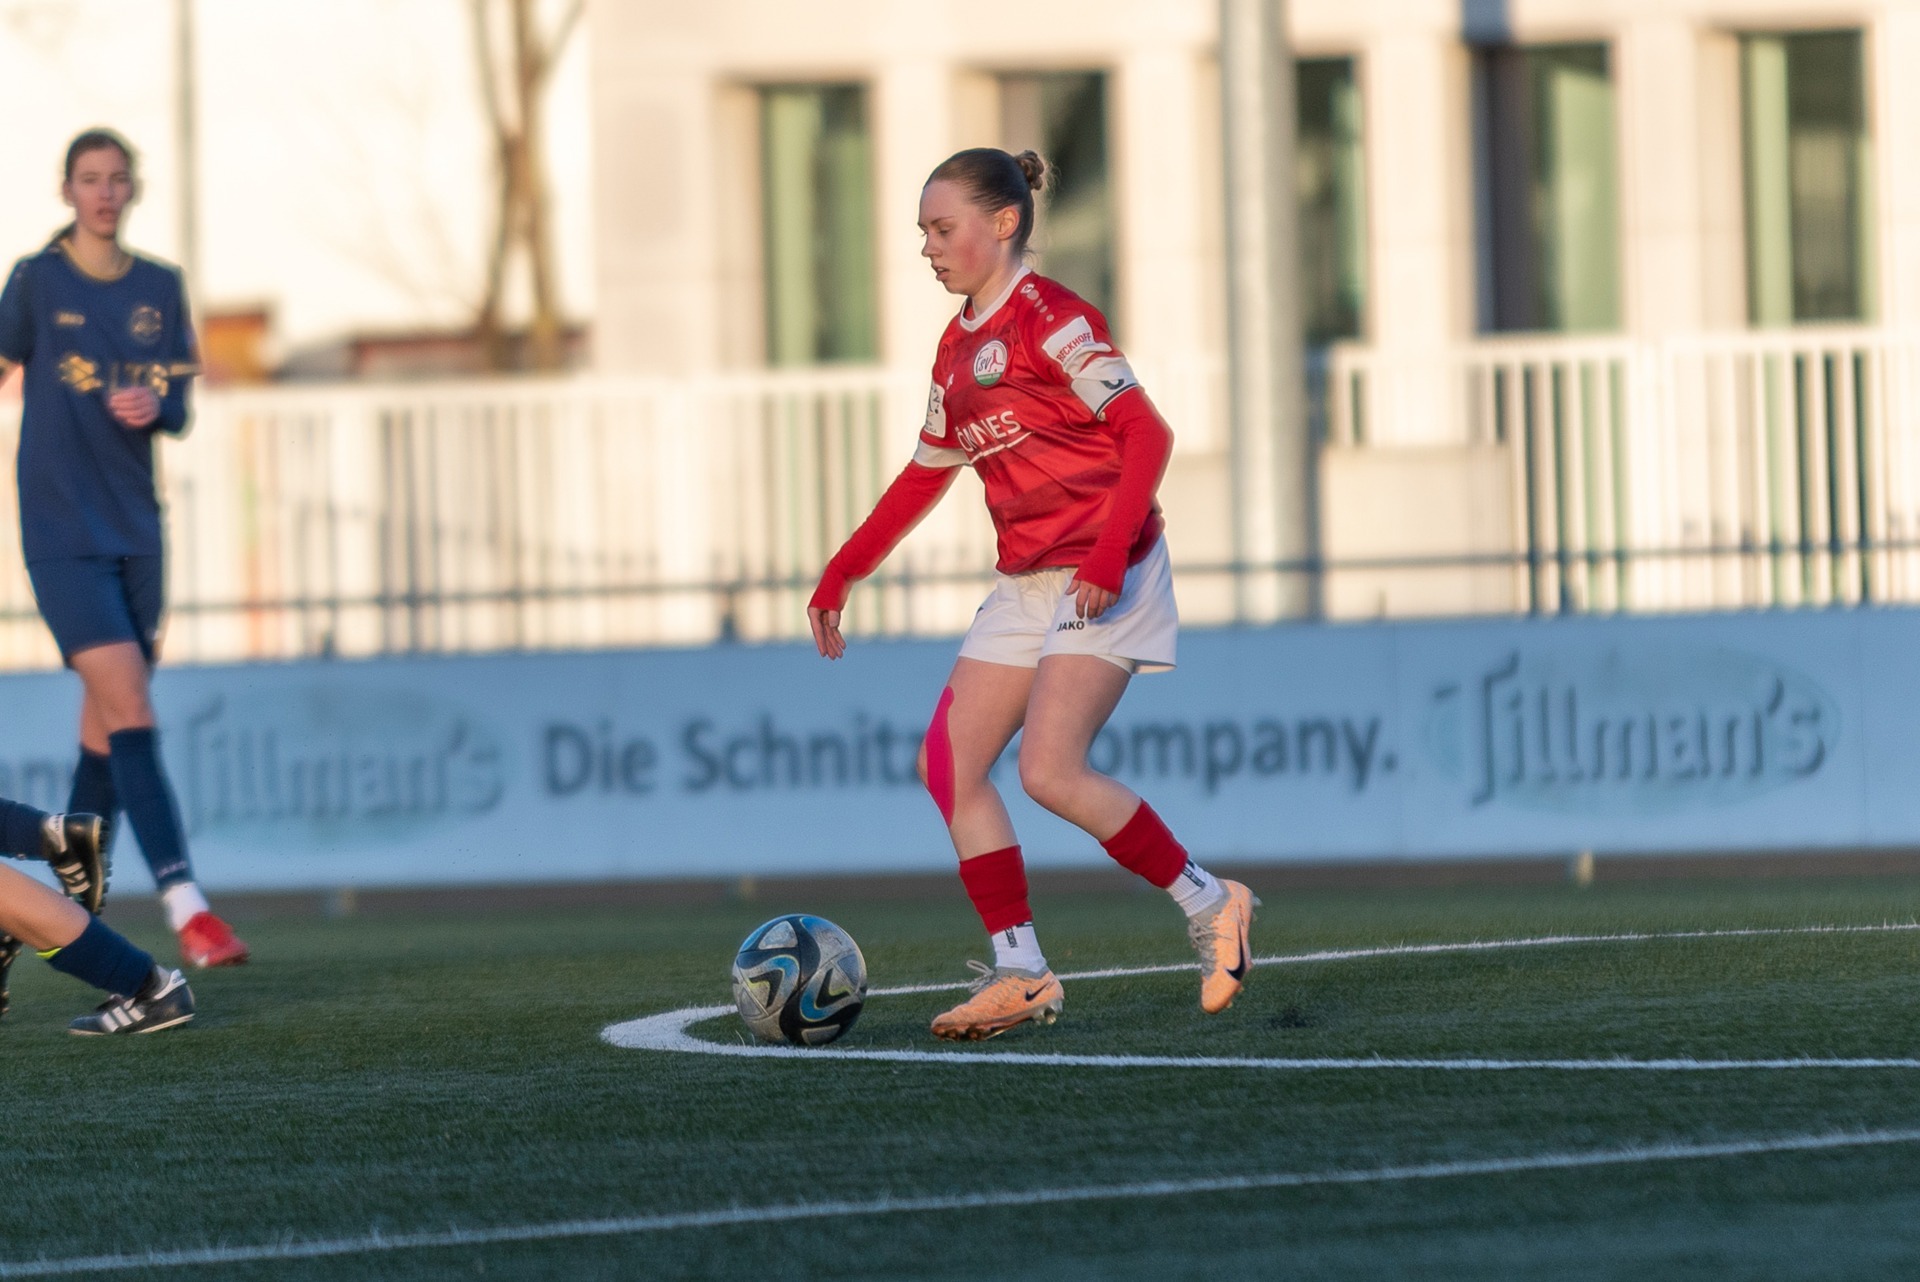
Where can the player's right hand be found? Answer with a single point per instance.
(135, 407)
(826, 632)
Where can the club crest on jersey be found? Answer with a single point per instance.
(146, 323)
(990, 363)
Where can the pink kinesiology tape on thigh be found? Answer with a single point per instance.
(939, 746)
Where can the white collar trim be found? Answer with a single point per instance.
(982, 316)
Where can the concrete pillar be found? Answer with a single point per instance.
(1894, 112)
(1723, 178)
(1163, 153)
(1420, 292)
(912, 116)
(1170, 314)
(657, 150)
(1663, 175)
(1275, 517)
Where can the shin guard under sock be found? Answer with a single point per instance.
(141, 785)
(997, 884)
(105, 958)
(21, 830)
(1146, 847)
(93, 792)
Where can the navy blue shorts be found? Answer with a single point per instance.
(98, 600)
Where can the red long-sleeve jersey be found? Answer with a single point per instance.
(1018, 390)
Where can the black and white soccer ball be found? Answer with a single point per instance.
(799, 979)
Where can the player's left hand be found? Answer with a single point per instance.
(1090, 602)
(135, 407)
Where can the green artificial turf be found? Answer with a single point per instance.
(402, 1075)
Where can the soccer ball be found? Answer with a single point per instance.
(799, 979)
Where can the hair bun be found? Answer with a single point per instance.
(1033, 167)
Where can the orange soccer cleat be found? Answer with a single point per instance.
(206, 941)
(1221, 940)
(1001, 999)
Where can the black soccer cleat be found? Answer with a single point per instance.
(9, 949)
(165, 1002)
(76, 846)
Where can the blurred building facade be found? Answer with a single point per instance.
(1606, 309)
(1589, 288)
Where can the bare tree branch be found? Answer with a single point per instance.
(556, 44)
(513, 84)
(486, 65)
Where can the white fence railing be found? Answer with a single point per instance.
(1764, 469)
(357, 520)
(1708, 471)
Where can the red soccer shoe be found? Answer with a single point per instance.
(206, 941)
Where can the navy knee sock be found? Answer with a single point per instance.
(20, 829)
(103, 957)
(142, 788)
(93, 792)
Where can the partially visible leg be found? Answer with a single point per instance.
(70, 843)
(117, 678)
(22, 829)
(73, 844)
(93, 792)
(35, 915)
(978, 714)
(117, 728)
(144, 998)
(90, 602)
(1072, 698)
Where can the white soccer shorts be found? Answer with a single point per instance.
(1031, 615)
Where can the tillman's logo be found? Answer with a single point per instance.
(336, 765)
(1613, 732)
(990, 363)
(146, 323)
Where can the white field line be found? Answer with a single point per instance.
(668, 1031)
(616, 1226)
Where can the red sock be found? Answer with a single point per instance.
(997, 884)
(1145, 846)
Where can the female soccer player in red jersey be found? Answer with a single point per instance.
(1029, 390)
(107, 348)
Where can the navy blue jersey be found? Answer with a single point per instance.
(86, 482)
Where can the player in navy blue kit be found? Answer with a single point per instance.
(108, 350)
(142, 997)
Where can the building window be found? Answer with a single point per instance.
(816, 170)
(1063, 116)
(1331, 177)
(1808, 169)
(1550, 221)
